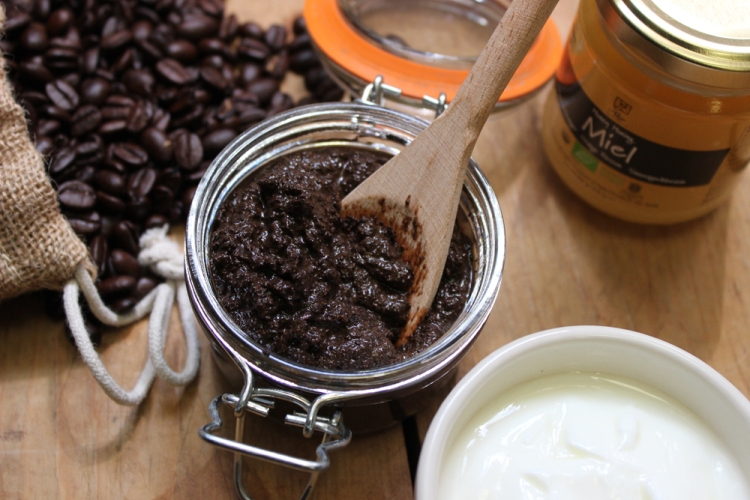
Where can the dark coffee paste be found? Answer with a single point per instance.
(316, 288)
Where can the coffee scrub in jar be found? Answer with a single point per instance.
(649, 116)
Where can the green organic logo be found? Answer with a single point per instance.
(582, 155)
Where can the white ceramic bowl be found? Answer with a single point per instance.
(591, 349)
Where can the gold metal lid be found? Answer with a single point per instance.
(702, 41)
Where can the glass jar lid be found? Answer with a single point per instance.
(703, 42)
(422, 47)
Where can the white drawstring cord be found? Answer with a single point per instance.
(164, 258)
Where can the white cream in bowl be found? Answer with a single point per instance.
(589, 413)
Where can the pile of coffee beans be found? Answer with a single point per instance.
(130, 100)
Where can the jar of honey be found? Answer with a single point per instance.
(649, 116)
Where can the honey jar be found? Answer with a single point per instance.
(649, 116)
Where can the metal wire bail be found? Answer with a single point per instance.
(260, 401)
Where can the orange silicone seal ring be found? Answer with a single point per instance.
(345, 47)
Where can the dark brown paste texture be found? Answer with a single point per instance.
(317, 288)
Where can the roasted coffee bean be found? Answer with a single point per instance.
(57, 113)
(47, 127)
(59, 58)
(139, 116)
(161, 199)
(213, 8)
(299, 26)
(173, 71)
(44, 145)
(16, 20)
(140, 183)
(59, 21)
(62, 162)
(112, 127)
(86, 174)
(144, 285)
(85, 120)
(124, 263)
(218, 139)
(116, 112)
(76, 195)
(275, 37)
(280, 66)
(303, 60)
(34, 38)
(110, 182)
(88, 225)
(116, 285)
(171, 178)
(122, 306)
(108, 203)
(99, 251)
(188, 150)
(72, 79)
(130, 154)
(182, 50)
(197, 26)
(195, 176)
(137, 209)
(251, 30)
(161, 119)
(208, 46)
(125, 235)
(264, 88)
(62, 95)
(35, 72)
(300, 42)
(253, 49)
(94, 91)
(214, 78)
(124, 62)
(250, 116)
(37, 99)
(149, 48)
(228, 28)
(314, 76)
(90, 60)
(157, 144)
(142, 29)
(139, 81)
(91, 150)
(116, 40)
(114, 166)
(249, 72)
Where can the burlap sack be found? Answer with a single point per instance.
(38, 248)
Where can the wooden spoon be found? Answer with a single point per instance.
(418, 191)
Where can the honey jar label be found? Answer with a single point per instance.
(598, 138)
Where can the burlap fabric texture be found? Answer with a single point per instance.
(38, 248)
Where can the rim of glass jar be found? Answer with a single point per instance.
(240, 158)
(492, 9)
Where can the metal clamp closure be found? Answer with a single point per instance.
(260, 401)
(377, 91)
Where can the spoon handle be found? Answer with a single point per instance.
(506, 48)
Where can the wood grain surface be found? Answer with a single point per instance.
(61, 437)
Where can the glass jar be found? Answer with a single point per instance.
(419, 47)
(649, 119)
(319, 399)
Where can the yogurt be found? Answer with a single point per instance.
(580, 436)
